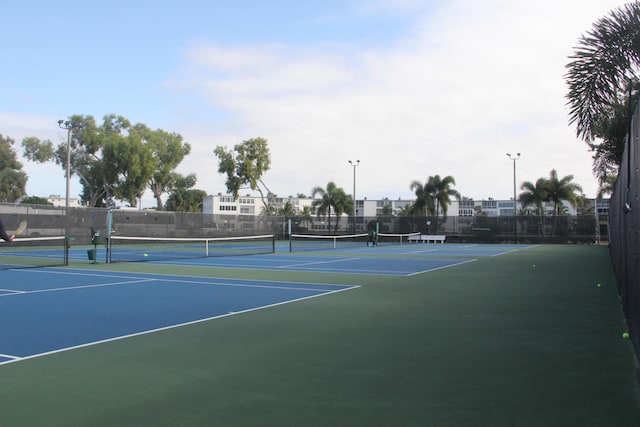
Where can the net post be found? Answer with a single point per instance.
(273, 242)
(66, 251)
(108, 256)
(108, 237)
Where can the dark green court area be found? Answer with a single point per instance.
(527, 338)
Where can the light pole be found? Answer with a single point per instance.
(355, 209)
(69, 127)
(515, 202)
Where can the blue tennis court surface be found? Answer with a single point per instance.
(329, 264)
(393, 260)
(45, 311)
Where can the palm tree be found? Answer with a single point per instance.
(442, 193)
(332, 197)
(287, 211)
(424, 204)
(305, 215)
(406, 210)
(559, 190)
(601, 74)
(535, 195)
(433, 196)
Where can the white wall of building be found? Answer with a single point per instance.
(252, 205)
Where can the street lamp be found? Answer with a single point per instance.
(355, 210)
(515, 203)
(69, 127)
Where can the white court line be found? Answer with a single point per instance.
(317, 262)
(420, 252)
(11, 291)
(165, 328)
(98, 285)
(507, 252)
(443, 267)
(8, 356)
(177, 278)
(245, 285)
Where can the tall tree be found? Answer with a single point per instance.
(610, 132)
(168, 150)
(183, 197)
(424, 203)
(133, 164)
(601, 74)
(305, 215)
(331, 197)
(13, 180)
(287, 210)
(442, 192)
(559, 190)
(245, 165)
(534, 194)
(114, 159)
(434, 196)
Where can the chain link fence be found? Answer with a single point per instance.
(51, 221)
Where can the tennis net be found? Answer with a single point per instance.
(395, 238)
(34, 252)
(311, 242)
(131, 249)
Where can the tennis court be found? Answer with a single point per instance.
(401, 260)
(522, 335)
(45, 311)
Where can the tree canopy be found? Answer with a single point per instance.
(434, 195)
(332, 197)
(13, 180)
(245, 166)
(184, 198)
(114, 159)
(600, 76)
(553, 189)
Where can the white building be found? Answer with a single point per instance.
(225, 204)
(56, 200)
(252, 205)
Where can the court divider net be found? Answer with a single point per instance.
(25, 252)
(132, 249)
(313, 242)
(395, 238)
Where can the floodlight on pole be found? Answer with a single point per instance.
(355, 209)
(515, 202)
(69, 127)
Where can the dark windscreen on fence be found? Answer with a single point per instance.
(624, 226)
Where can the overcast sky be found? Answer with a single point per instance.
(411, 88)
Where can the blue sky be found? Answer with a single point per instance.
(411, 88)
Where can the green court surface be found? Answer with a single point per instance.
(522, 339)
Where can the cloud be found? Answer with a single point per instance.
(457, 90)
(444, 88)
